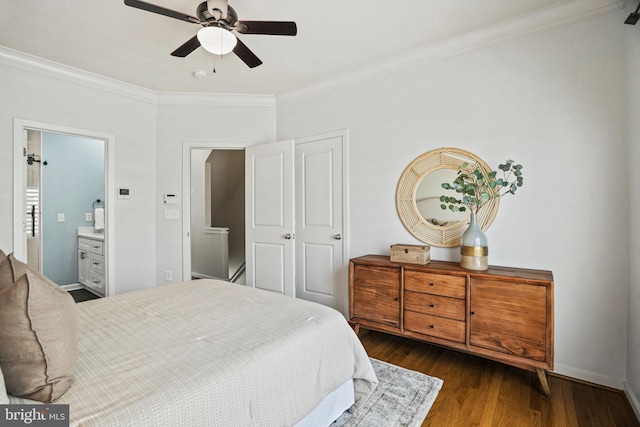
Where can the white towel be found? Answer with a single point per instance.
(98, 219)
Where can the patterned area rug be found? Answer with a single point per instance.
(402, 398)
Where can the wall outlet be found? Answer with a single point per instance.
(168, 276)
(60, 217)
(88, 216)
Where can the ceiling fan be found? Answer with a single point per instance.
(218, 21)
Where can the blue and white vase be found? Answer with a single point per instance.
(474, 247)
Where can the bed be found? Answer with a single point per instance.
(212, 353)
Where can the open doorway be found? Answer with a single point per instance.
(216, 214)
(65, 178)
(60, 173)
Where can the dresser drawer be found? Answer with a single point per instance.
(435, 326)
(436, 284)
(451, 308)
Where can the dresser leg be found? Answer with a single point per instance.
(355, 326)
(544, 383)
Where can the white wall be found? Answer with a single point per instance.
(33, 94)
(554, 102)
(235, 122)
(632, 40)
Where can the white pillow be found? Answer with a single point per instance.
(4, 399)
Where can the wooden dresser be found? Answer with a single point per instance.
(504, 314)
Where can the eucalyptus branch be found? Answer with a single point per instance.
(477, 187)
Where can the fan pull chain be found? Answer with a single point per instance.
(214, 56)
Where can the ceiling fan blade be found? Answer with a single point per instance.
(189, 46)
(272, 28)
(161, 10)
(244, 53)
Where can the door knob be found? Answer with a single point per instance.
(338, 236)
(289, 236)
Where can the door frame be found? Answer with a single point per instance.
(187, 146)
(20, 127)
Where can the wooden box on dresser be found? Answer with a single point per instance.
(504, 314)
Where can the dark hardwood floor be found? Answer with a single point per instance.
(480, 392)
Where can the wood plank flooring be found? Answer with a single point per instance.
(483, 393)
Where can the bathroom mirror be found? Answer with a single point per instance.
(418, 198)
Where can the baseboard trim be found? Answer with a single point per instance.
(204, 276)
(633, 399)
(589, 377)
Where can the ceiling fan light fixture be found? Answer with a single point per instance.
(217, 40)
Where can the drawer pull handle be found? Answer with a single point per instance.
(396, 299)
(432, 327)
(431, 305)
(473, 312)
(430, 284)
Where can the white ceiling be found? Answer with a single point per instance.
(131, 45)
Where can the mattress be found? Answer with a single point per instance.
(210, 353)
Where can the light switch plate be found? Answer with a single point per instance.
(171, 214)
(60, 217)
(88, 216)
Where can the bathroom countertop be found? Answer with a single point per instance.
(89, 233)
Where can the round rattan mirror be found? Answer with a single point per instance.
(418, 198)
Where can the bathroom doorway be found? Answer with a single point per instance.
(59, 174)
(65, 178)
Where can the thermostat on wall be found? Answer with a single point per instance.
(170, 199)
(123, 193)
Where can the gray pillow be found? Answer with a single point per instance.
(38, 335)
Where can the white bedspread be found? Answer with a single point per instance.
(210, 353)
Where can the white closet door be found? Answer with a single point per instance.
(270, 217)
(320, 233)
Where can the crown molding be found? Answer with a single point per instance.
(55, 70)
(527, 25)
(215, 99)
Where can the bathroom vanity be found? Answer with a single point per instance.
(91, 260)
